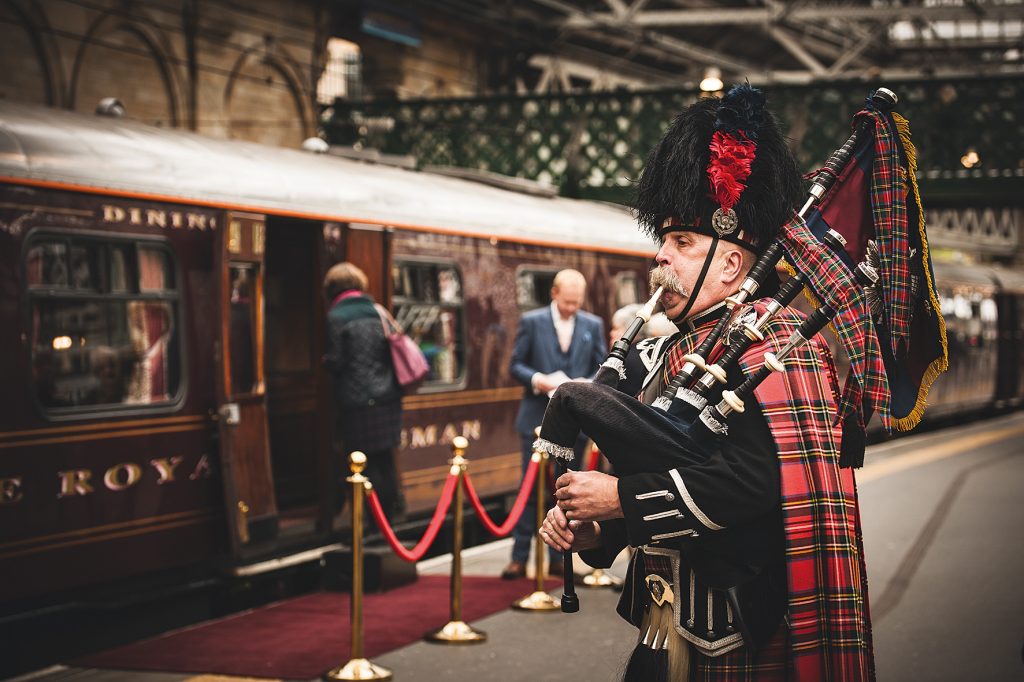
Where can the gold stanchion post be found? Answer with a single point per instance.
(358, 668)
(539, 600)
(456, 631)
(599, 578)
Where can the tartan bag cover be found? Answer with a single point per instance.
(829, 624)
(832, 282)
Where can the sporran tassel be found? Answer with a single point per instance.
(661, 654)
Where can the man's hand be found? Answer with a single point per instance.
(543, 384)
(588, 496)
(559, 533)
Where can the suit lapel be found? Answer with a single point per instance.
(576, 345)
(552, 334)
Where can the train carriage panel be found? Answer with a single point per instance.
(460, 298)
(108, 459)
(968, 298)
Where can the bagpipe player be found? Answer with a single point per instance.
(749, 564)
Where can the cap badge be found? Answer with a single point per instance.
(724, 222)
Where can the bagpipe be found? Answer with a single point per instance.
(688, 427)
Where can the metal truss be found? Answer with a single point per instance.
(651, 43)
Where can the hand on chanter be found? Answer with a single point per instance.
(559, 533)
(588, 496)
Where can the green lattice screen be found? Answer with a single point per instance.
(594, 144)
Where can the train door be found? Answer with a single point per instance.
(297, 398)
(369, 247)
(241, 386)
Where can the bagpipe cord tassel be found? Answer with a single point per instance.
(661, 654)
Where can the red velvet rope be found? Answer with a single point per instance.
(517, 508)
(595, 459)
(417, 552)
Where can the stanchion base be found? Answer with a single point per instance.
(456, 632)
(538, 601)
(600, 579)
(358, 669)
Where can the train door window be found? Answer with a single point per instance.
(627, 289)
(243, 325)
(533, 286)
(103, 323)
(428, 304)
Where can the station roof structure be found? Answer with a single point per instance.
(673, 43)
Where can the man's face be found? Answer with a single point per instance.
(683, 254)
(568, 298)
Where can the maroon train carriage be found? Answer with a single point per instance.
(162, 329)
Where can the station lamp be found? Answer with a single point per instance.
(712, 81)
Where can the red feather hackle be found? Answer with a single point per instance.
(729, 167)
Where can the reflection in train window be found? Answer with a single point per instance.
(533, 286)
(102, 323)
(627, 289)
(427, 303)
(242, 323)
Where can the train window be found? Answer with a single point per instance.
(533, 287)
(102, 323)
(242, 326)
(627, 289)
(427, 303)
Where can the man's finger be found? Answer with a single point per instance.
(564, 480)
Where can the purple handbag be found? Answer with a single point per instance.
(411, 366)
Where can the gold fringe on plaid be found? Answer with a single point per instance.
(940, 364)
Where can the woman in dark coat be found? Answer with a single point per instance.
(367, 397)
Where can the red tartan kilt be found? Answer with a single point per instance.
(769, 664)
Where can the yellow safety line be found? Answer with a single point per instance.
(934, 453)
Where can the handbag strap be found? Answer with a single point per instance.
(385, 318)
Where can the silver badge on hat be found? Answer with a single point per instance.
(724, 222)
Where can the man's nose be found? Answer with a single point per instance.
(662, 257)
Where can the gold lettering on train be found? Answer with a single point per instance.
(113, 214)
(426, 436)
(202, 469)
(74, 482)
(423, 437)
(113, 478)
(157, 217)
(10, 490)
(165, 466)
(471, 429)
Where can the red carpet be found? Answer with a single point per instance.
(302, 638)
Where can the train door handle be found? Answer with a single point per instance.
(229, 413)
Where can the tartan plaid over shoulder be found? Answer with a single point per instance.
(829, 623)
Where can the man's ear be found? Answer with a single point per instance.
(732, 265)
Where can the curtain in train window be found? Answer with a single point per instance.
(102, 323)
(428, 305)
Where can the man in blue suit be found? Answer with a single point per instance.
(553, 344)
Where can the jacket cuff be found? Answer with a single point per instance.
(659, 507)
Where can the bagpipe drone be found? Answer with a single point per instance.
(724, 189)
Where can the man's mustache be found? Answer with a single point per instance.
(665, 277)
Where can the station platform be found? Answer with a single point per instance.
(942, 515)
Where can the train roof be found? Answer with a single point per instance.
(50, 147)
